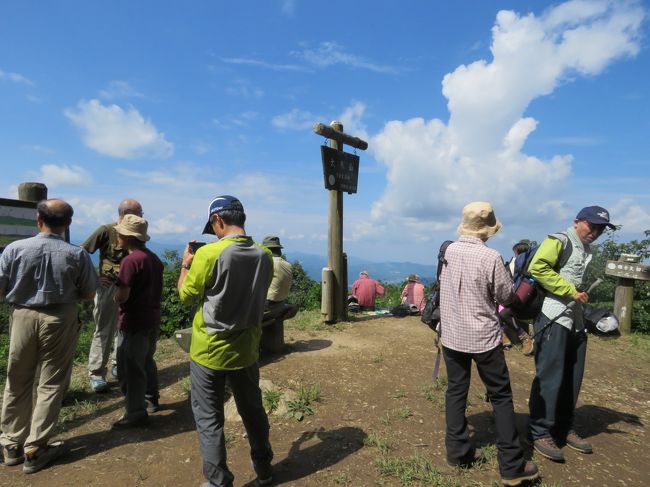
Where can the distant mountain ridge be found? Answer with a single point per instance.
(388, 272)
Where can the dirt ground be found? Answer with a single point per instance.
(377, 408)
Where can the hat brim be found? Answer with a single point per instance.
(596, 221)
(272, 246)
(128, 233)
(485, 232)
(207, 229)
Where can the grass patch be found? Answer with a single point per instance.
(271, 400)
(77, 409)
(376, 441)
(415, 470)
(405, 413)
(186, 385)
(435, 392)
(308, 321)
(301, 406)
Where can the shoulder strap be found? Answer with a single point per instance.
(441, 257)
(567, 249)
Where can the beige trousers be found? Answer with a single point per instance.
(104, 337)
(45, 338)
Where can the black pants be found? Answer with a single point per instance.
(493, 371)
(559, 367)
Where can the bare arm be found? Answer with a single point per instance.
(122, 294)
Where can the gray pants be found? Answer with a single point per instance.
(105, 316)
(208, 394)
(137, 369)
(559, 367)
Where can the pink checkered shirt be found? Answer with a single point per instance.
(471, 284)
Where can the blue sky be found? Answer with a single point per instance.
(540, 108)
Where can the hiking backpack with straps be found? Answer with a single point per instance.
(529, 294)
(431, 312)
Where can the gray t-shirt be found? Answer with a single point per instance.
(45, 270)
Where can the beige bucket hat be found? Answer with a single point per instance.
(133, 226)
(479, 220)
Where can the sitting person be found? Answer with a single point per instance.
(282, 276)
(413, 292)
(366, 290)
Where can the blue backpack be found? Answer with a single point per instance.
(529, 294)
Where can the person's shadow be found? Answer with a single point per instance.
(332, 447)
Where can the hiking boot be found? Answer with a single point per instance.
(547, 448)
(126, 423)
(529, 472)
(505, 342)
(153, 406)
(527, 345)
(264, 473)
(99, 385)
(474, 458)
(13, 455)
(578, 443)
(38, 459)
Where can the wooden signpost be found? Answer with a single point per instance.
(627, 269)
(340, 174)
(18, 217)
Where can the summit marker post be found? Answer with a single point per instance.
(340, 173)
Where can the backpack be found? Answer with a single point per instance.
(431, 312)
(529, 294)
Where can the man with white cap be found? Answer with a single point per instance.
(228, 280)
(561, 348)
(472, 281)
(139, 292)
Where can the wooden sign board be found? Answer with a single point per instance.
(17, 220)
(628, 270)
(340, 170)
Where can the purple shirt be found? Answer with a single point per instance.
(142, 271)
(471, 284)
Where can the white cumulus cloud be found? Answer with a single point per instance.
(116, 132)
(54, 175)
(294, 120)
(434, 168)
(15, 78)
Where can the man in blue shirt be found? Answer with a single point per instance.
(43, 278)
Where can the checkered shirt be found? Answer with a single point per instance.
(471, 284)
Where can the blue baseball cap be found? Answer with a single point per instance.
(221, 203)
(596, 215)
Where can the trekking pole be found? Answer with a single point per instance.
(569, 306)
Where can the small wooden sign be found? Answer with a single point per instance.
(628, 270)
(340, 170)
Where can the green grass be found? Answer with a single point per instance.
(435, 392)
(376, 441)
(76, 410)
(301, 406)
(186, 385)
(271, 400)
(405, 413)
(414, 470)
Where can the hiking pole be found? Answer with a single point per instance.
(569, 306)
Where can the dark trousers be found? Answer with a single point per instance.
(136, 369)
(208, 394)
(493, 371)
(559, 367)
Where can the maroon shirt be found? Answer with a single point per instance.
(142, 271)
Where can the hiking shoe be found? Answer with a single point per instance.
(547, 448)
(123, 423)
(99, 385)
(264, 473)
(527, 345)
(505, 342)
(43, 456)
(578, 443)
(529, 472)
(153, 406)
(474, 458)
(13, 455)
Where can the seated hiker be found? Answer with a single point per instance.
(366, 290)
(413, 292)
(282, 277)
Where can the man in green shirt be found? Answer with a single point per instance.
(561, 348)
(228, 280)
(105, 311)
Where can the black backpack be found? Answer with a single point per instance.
(431, 312)
(529, 294)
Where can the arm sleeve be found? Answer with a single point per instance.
(96, 241)
(194, 284)
(4, 271)
(503, 292)
(542, 268)
(88, 280)
(128, 272)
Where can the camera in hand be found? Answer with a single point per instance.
(195, 245)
